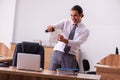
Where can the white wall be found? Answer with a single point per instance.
(101, 16)
(34, 15)
(7, 10)
(103, 20)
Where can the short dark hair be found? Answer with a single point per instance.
(77, 8)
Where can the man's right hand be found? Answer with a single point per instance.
(50, 28)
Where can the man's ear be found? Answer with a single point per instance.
(82, 15)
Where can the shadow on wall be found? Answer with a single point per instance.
(81, 55)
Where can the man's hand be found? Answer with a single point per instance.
(62, 39)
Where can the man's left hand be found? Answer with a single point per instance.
(62, 39)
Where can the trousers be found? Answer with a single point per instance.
(61, 60)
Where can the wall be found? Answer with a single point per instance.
(7, 10)
(101, 16)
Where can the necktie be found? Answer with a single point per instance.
(71, 36)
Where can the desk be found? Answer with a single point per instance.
(6, 59)
(48, 50)
(5, 51)
(110, 67)
(108, 73)
(11, 73)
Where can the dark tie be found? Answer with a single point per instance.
(71, 36)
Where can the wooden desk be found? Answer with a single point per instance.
(12, 73)
(111, 60)
(5, 51)
(6, 59)
(108, 73)
(111, 68)
(48, 50)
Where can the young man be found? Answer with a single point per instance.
(69, 41)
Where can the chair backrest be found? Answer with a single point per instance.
(29, 47)
(86, 65)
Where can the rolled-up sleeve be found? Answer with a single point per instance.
(59, 25)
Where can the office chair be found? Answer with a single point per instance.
(27, 47)
(86, 67)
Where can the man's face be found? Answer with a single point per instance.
(75, 16)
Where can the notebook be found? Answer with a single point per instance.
(27, 61)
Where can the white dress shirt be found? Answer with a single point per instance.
(80, 36)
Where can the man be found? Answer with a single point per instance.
(64, 52)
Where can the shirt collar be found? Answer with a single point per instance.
(78, 24)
